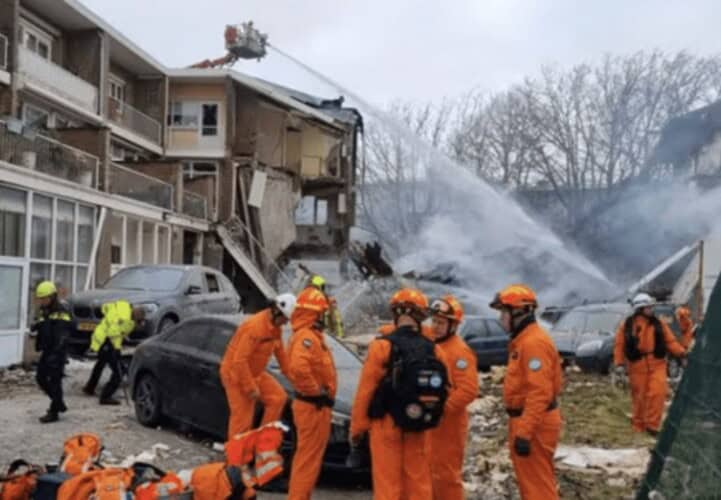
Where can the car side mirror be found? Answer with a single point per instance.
(194, 290)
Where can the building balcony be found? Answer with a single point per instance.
(56, 82)
(134, 120)
(195, 205)
(23, 146)
(138, 186)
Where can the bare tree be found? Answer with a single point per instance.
(394, 198)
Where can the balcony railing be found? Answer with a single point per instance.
(195, 205)
(136, 121)
(57, 81)
(4, 44)
(26, 148)
(139, 186)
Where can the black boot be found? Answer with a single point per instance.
(88, 391)
(63, 408)
(109, 402)
(49, 417)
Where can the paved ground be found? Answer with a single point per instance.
(22, 436)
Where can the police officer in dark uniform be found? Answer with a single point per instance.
(53, 326)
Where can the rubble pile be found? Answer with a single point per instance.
(16, 379)
(604, 469)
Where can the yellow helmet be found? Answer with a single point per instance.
(318, 282)
(45, 289)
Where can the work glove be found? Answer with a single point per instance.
(522, 447)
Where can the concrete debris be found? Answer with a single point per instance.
(632, 462)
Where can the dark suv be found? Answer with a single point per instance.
(169, 294)
(586, 334)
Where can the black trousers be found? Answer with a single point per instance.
(49, 377)
(109, 356)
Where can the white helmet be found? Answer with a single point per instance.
(642, 300)
(285, 302)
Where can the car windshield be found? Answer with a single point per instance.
(603, 321)
(472, 326)
(146, 278)
(573, 320)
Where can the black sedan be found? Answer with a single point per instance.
(488, 340)
(176, 374)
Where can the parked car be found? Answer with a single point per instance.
(586, 335)
(169, 294)
(177, 374)
(488, 340)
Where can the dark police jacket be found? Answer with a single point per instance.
(53, 326)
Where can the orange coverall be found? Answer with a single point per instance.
(242, 371)
(311, 368)
(687, 326)
(400, 460)
(648, 375)
(448, 440)
(530, 391)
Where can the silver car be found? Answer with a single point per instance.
(169, 294)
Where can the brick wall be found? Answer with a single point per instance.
(83, 55)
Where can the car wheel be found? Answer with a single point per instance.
(166, 324)
(147, 401)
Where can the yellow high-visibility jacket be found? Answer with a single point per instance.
(334, 322)
(117, 324)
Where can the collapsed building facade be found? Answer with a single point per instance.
(109, 159)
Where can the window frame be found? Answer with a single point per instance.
(196, 112)
(120, 86)
(212, 276)
(27, 29)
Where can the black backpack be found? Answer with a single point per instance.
(415, 388)
(631, 341)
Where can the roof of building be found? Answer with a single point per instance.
(684, 136)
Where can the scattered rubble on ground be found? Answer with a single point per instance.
(608, 469)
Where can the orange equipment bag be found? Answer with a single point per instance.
(80, 453)
(152, 483)
(261, 446)
(101, 484)
(19, 485)
(218, 481)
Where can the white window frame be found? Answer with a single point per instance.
(27, 29)
(198, 115)
(50, 121)
(120, 86)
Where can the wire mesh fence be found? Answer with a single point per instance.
(686, 462)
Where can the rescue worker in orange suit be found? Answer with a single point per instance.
(312, 372)
(242, 370)
(642, 343)
(530, 391)
(400, 459)
(448, 440)
(688, 328)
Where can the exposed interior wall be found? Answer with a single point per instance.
(277, 213)
(203, 186)
(316, 146)
(271, 141)
(246, 122)
(184, 139)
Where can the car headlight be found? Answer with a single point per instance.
(589, 348)
(150, 308)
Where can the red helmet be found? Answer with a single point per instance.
(515, 297)
(448, 307)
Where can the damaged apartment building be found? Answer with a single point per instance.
(109, 159)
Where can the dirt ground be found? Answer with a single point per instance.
(595, 414)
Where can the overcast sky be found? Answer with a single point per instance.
(416, 49)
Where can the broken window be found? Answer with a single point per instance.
(213, 285)
(210, 119)
(184, 115)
